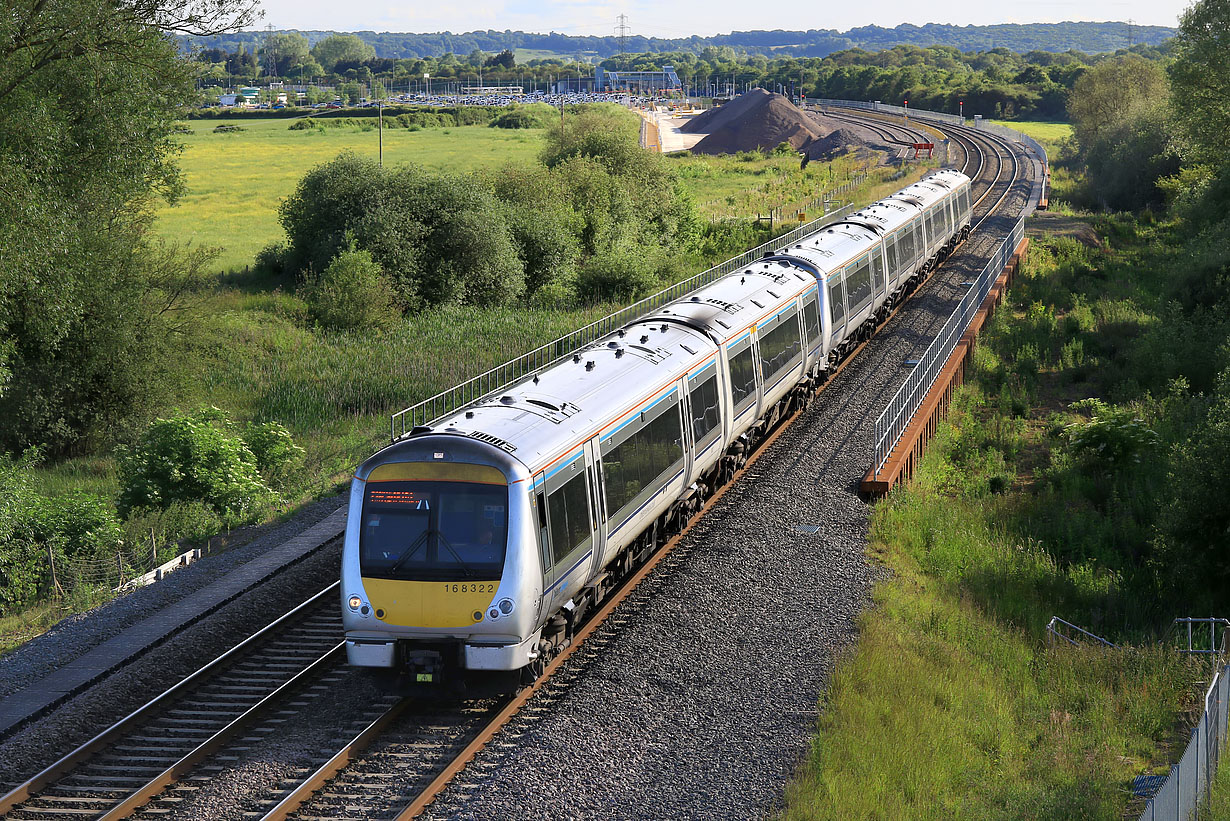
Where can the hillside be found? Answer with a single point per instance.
(1091, 38)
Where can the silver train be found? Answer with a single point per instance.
(480, 544)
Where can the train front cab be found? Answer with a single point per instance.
(434, 577)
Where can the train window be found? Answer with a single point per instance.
(908, 252)
(877, 269)
(636, 465)
(742, 377)
(811, 318)
(894, 264)
(780, 346)
(705, 406)
(837, 301)
(858, 284)
(568, 512)
(433, 531)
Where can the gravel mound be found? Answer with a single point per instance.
(839, 141)
(755, 120)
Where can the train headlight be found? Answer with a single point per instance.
(506, 606)
(355, 602)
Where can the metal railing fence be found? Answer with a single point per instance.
(492, 381)
(920, 113)
(1190, 781)
(1060, 630)
(891, 424)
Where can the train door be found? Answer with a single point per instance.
(544, 537)
(597, 502)
(569, 526)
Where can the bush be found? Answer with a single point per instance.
(200, 457)
(622, 274)
(352, 294)
(1112, 438)
(228, 128)
(517, 118)
(272, 258)
(306, 124)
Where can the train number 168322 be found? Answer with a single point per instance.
(472, 587)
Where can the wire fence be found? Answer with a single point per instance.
(891, 424)
(1190, 782)
(129, 565)
(476, 388)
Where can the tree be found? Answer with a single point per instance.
(338, 48)
(281, 51)
(1119, 118)
(505, 59)
(1200, 76)
(90, 307)
(37, 35)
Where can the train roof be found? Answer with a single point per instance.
(725, 308)
(541, 418)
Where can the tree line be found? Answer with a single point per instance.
(1152, 137)
(1088, 37)
(996, 83)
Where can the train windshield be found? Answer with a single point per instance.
(434, 531)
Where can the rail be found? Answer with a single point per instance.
(893, 421)
(979, 124)
(472, 390)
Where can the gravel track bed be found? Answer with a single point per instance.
(323, 721)
(76, 635)
(46, 739)
(698, 700)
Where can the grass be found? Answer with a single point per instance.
(235, 181)
(735, 187)
(1047, 133)
(952, 705)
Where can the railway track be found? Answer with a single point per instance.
(387, 781)
(138, 758)
(408, 752)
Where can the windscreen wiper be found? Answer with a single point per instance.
(410, 551)
(469, 570)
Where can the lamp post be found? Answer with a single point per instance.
(380, 130)
(427, 82)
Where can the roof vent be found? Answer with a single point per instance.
(644, 338)
(612, 344)
(589, 366)
(469, 414)
(576, 357)
(507, 400)
(695, 299)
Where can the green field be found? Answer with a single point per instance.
(234, 182)
(1049, 134)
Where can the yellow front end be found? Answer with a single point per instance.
(430, 604)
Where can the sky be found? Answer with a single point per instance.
(663, 18)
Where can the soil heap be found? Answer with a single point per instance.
(838, 141)
(757, 119)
